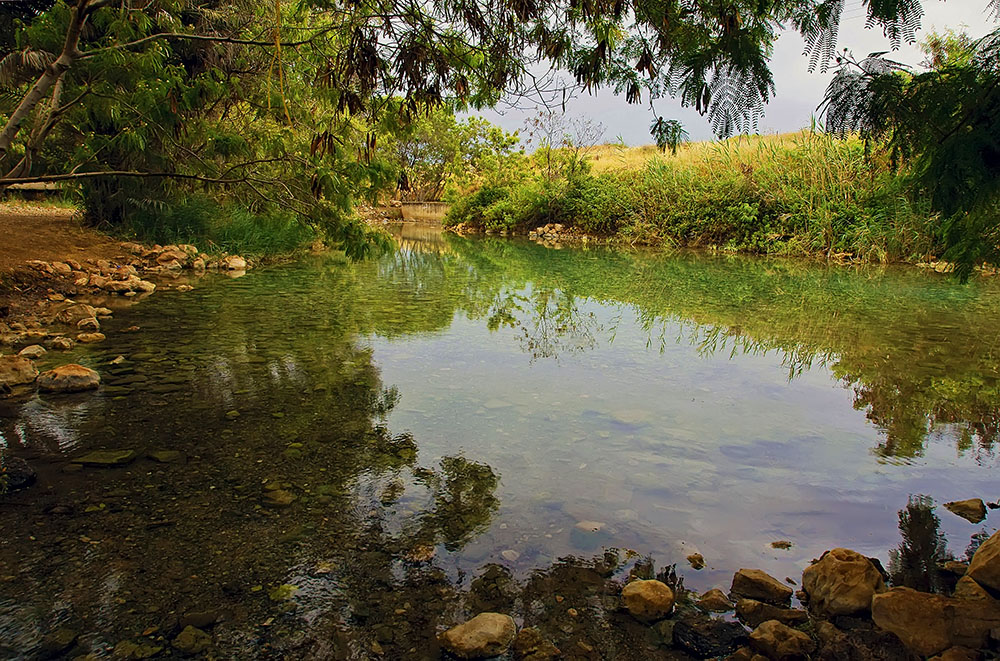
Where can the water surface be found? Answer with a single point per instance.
(468, 403)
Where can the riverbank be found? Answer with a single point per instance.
(795, 194)
(59, 281)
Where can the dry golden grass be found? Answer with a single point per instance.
(743, 148)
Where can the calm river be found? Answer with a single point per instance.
(361, 443)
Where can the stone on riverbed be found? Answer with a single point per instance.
(532, 646)
(69, 378)
(278, 498)
(106, 458)
(192, 641)
(715, 601)
(74, 312)
(63, 343)
(985, 566)
(648, 600)
(34, 352)
(930, 623)
(16, 371)
(90, 338)
(89, 324)
(485, 635)
(842, 582)
(756, 584)
(17, 472)
(167, 456)
(754, 613)
(705, 637)
(781, 643)
(972, 510)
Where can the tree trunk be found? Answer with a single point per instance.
(52, 74)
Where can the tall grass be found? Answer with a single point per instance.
(220, 227)
(801, 193)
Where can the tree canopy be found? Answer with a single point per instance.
(283, 105)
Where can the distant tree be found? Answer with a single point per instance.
(668, 133)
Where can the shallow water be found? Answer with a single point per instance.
(487, 401)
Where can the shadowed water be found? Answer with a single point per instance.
(466, 403)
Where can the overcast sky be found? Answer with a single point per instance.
(798, 90)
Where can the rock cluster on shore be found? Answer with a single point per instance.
(850, 614)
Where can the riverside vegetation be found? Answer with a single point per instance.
(797, 194)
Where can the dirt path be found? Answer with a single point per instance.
(51, 234)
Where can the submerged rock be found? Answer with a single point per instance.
(17, 473)
(69, 378)
(756, 584)
(127, 649)
(167, 456)
(781, 643)
(58, 643)
(106, 458)
(648, 600)
(192, 641)
(90, 338)
(985, 566)
(530, 645)
(63, 343)
(754, 613)
(278, 498)
(485, 635)
(705, 637)
(972, 510)
(842, 582)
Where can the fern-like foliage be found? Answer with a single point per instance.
(899, 19)
(820, 27)
(19, 67)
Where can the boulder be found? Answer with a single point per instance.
(172, 254)
(69, 378)
(715, 601)
(842, 582)
(972, 510)
(16, 371)
(861, 644)
(89, 324)
(72, 313)
(754, 613)
(706, 637)
(781, 643)
(34, 352)
(648, 600)
(485, 635)
(985, 566)
(966, 588)
(929, 623)
(756, 584)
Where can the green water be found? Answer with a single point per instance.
(486, 401)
